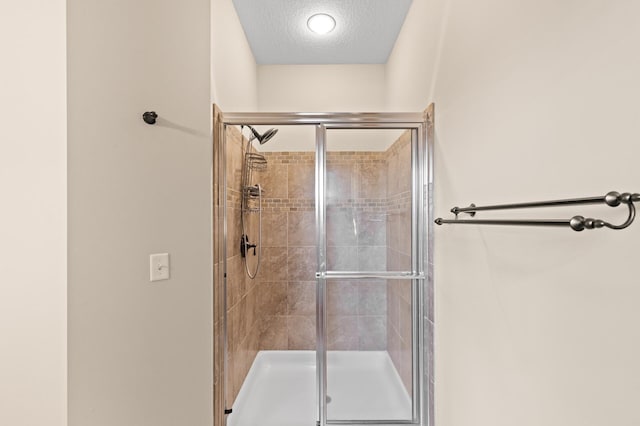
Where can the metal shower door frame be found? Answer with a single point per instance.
(421, 274)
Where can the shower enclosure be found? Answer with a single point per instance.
(337, 325)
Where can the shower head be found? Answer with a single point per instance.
(262, 138)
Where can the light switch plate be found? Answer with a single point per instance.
(159, 267)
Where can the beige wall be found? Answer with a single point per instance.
(233, 67)
(411, 70)
(33, 241)
(535, 100)
(320, 88)
(139, 352)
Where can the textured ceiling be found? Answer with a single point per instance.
(365, 32)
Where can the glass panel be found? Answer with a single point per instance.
(369, 322)
(369, 342)
(368, 200)
(271, 318)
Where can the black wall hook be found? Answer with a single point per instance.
(150, 117)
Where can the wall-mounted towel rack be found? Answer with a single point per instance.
(577, 223)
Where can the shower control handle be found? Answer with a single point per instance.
(245, 246)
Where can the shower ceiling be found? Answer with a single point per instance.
(365, 33)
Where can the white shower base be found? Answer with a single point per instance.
(280, 389)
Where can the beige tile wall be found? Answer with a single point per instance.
(356, 239)
(243, 315)
(398, 248)
(288, 277)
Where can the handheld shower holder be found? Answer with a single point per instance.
(245, 246)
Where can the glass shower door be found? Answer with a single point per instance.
(370, 273)
(368, 265)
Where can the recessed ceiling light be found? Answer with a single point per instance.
(321, 23)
